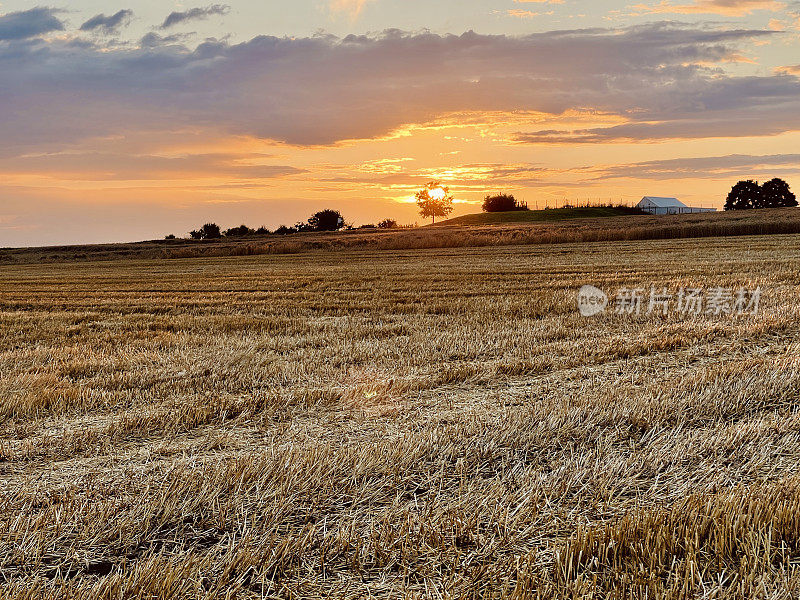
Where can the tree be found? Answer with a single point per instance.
(775, 193)
(284, 230)
(388, 224)
(240, 231)
(502, 203)
(744, 195)
(434, 200)
(326, 220)
(209, 231)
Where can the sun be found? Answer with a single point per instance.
(437, 193)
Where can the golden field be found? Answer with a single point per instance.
(410, 423)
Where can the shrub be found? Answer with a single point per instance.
(388, 224)
(502, 203)
(209, 231)
(326, 220)
(241, 231)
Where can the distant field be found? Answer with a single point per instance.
(571, 227)
(536, 216)
(410, 423)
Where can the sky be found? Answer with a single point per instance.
(130, 121)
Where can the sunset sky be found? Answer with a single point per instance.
(131, 121)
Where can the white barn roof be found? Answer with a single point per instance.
(662, 202)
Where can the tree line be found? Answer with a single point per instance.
(324, 220)
(748, 194)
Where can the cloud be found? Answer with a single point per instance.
(108, 24)
(116, 166)
(194, 14)
(29, 23)
(706, 167)
(665, 80)
(730, 8)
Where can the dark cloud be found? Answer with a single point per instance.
(194, 14)
(152, 40)
(667, 79)
(29, 23)
(108, 24)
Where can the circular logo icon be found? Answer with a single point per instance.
(591, 301)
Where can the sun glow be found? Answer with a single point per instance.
(437, 193)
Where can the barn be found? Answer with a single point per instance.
(656, 205)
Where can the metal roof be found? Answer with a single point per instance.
(663, 202)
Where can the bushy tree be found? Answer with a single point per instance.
(326, 220)
(775, 193)
(434, 200)
(744, 195)
(241, 231)
(263, 231)
(388, 224)
(502, 203)
(209, 231)
(284, 230)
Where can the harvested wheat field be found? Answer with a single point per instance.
(401, 424)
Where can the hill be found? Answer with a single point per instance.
(562, 226)
(549, 214)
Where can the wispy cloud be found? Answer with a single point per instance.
(730, 8)
(194, 14)
(108, 24)
(704, 167)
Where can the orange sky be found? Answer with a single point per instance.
(115, 138)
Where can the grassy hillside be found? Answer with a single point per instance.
(533, 216)
(561, 229)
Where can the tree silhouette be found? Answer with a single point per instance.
(326, 220)
(744, 195)
(434, 200)
(502, 203)
(241, 231)
(209, 231)
(775, 193)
